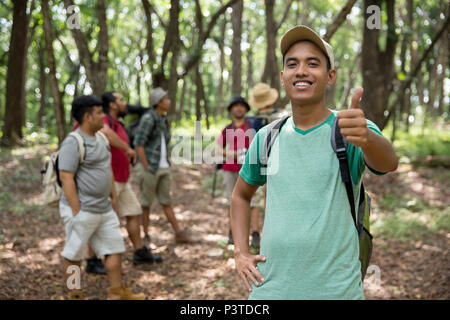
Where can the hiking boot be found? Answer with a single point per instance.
(255, 239)
(95, 266)
(75, 295)
(144, 255)
(230, 238)
(183, 237)
(123, 293)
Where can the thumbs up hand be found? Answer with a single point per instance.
(353, 122)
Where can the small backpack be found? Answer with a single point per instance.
(361, 217)
(132, 127)
(50, 172)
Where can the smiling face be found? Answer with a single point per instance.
(305, 76)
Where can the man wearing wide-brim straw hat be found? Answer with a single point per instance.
(263, 96)
(263, 99)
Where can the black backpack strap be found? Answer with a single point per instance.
(111, 123)
(273, 130)
(339, 145)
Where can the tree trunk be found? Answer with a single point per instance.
(221, 44)
(179, 113)
(96, 71)
(201, 97)
(270, 74)
(236, 55)
(42, 83)
(174, 32)
(249, 78)
(56, 94)
(377, 66)
(15, 78)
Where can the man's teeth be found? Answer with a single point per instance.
(302, 83)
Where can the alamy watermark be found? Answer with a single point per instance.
(74, 279)
(374, 20)
(73, 17)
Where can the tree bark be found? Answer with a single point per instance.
(221, 44)
(42, 83)
(377, 66)
(236, 54)
(174, 29)
(15, 77)
(179, 113)
(56, 94)
(270, 74)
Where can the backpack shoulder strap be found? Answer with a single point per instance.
(81, 145)
(102, 136)
(112, 125)
(273, 130)
(339, 145)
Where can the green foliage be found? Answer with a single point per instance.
(419, 142)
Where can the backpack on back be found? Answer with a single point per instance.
(50, 172)
(361, 214)
(132, 127)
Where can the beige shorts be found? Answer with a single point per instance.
(100, 230)
(128, 204)
(155, 186)
(229, 181)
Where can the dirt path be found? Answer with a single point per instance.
(32, 237)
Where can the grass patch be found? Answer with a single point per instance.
(410, 220)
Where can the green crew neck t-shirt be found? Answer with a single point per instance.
(308, 238)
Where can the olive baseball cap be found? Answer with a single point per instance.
(299, 33)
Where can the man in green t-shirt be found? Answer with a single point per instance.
(309, 245)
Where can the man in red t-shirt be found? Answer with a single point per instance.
(233, 143)
(128, 206)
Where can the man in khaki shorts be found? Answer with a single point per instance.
(152, 141)
(128, 205)
(89, 215)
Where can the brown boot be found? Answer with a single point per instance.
(123, 293)
(183, 237)
(75, 295)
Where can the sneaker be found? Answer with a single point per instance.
(183, 237)
(144, 255)
(123, 293)
(230, 238)
(75, 295)
(95, 266)
(255, 239)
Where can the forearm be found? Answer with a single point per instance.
(141, 153)
(240, 214)
(240, 223)
(379, 153)
(115, 140)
